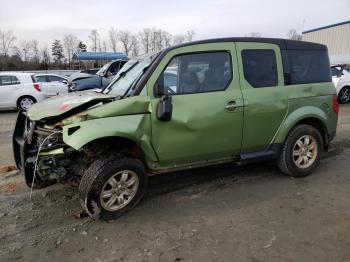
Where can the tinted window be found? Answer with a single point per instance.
(9, 80)
(41, 79)
(306, 66)
(335, 71)
(197, 73)
(260, 68)
(55, 79)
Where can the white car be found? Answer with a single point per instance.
(341, 80)
(53, 84)
(19, 90)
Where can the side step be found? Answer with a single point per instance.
(270, 153)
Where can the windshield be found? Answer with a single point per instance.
(102, 69)
(128, 75)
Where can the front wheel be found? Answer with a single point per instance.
(344, 95)
(301, 151)
(112, 186)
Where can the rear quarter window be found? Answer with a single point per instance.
(306, 66)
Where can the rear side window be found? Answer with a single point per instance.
(306, 66)
(9, 80)
(41, 79)
(55, 79)
(260, 68)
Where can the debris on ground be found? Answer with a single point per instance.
(8, 188)
(7, 168)
(273, 238)
(80, 214)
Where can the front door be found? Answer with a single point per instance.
(264, 94)
(207, 112)
(9, 85)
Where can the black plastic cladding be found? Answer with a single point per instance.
(284, 44)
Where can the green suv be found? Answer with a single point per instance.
(240, 100)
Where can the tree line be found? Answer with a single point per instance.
(18, 54)
(31, 55)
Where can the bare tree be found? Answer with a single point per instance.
(126, 38)
(135, 46)
(94, 37)
(293, 35)
(167, 38)
(34, 45)
(45, 54)
(70, 44)
(145, 40)
(104, 46)
(190, 35)
(7, 40)
(113, 38)
(25, 49)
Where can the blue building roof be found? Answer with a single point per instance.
(324, 27)
(99, 56)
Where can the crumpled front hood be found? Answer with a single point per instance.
(66, 104)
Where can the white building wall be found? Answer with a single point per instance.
(336, 38)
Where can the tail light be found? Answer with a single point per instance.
(37, 87)
(335, 104)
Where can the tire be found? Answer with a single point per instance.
(97, 180)
(25, 102)
(292, 152)
(344, 95)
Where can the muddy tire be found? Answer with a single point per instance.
(111, 186)
(301, 151)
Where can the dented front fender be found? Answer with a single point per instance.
(134, 127)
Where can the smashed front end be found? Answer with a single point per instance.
(42, 156)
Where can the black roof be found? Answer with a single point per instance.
(284, 44)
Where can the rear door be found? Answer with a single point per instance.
(207, 115)
(264, 94)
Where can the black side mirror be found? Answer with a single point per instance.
(65, 82)
(164, 108)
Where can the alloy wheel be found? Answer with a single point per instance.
(119, 190)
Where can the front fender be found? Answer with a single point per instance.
(296, 116)
(134, 127)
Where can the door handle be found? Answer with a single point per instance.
(232, 105)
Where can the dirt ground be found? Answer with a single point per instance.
(229, 213)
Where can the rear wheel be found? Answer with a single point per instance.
(112, 186)
(344, 95)
(301, 151)
(25, 102)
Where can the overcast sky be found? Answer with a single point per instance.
(45, 20)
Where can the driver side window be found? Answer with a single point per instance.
(197, 73)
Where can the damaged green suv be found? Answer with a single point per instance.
(203, 103)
